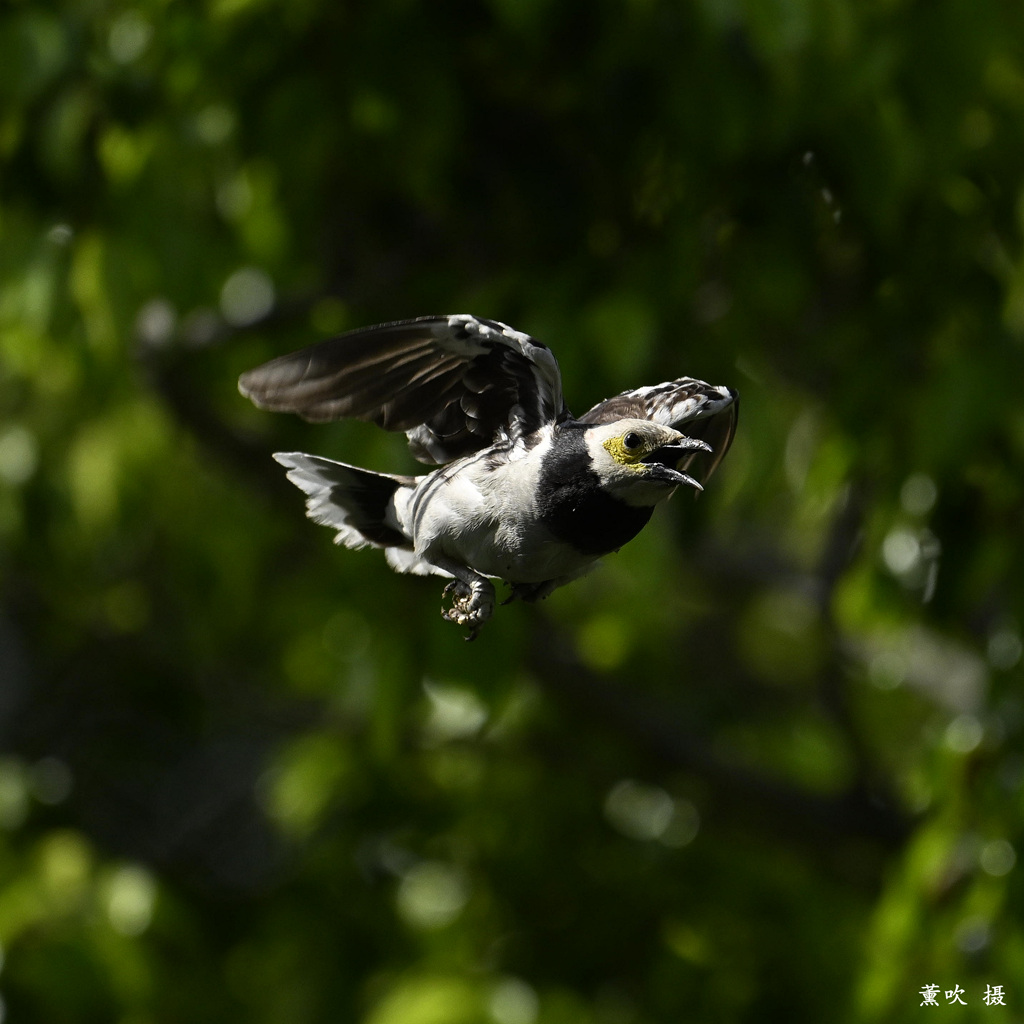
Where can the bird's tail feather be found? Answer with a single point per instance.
(355, 502)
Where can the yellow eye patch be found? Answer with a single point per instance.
(628, 454)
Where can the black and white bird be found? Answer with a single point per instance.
(523, 492)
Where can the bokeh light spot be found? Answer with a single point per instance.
(638, 811)
(129, 37)
(964, 734)
(918, 494)
(247, 296)
(19, 454)
(997, 858)
(130, 899)
(513, 1001)
(432, 895)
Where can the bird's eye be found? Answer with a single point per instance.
(632, 440)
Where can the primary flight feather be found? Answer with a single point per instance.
(523, 492)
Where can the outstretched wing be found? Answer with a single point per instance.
(697, 409)
(454, 384)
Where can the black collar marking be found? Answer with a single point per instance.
(573, 505)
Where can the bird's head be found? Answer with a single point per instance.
(637, 460)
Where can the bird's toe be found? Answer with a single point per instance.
(472, 604)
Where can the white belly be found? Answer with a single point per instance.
(486, 519)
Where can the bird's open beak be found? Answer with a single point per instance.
(668, 457)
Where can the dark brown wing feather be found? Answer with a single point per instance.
(454, 384)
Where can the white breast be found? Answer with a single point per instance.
(482, 512)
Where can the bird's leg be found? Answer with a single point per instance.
(473, 600)
(532, 591)
(538, 591)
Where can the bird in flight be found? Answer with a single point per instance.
(523, 491)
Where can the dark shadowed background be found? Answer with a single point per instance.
(765, 764)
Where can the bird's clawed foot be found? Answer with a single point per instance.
(472, 604)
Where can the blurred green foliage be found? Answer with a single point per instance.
(765, 764)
